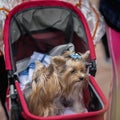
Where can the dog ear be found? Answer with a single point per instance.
(85, 55)
(58, 62)
(38, 68)
(34, 84)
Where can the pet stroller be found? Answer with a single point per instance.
(41, 26)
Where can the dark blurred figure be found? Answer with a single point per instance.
(3, 83)
(106, 49)
(110, 9)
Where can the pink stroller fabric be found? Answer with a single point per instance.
(114, 47)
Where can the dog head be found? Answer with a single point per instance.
(74, 77)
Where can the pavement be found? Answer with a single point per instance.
(104, 70)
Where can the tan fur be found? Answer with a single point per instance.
(74, 80)
(63, 78)
(46, 87)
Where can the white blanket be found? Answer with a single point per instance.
(26, 75)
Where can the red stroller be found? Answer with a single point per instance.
(40, 26)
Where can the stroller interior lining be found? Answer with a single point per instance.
(21, 65)
(38, 18)
(31, 30)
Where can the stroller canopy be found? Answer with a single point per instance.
(28, 24)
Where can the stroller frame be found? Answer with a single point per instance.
(15, 27)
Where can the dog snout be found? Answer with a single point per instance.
(82, 77)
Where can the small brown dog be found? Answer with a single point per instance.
(74, 80)
(59, 85)
(46, 88)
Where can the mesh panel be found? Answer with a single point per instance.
(42, 28)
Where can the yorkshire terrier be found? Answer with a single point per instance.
(74, 80)
(46, 88)
(59, 85)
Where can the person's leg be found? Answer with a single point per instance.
(105, 45)
(114, 96)
(2, 113)
(3, 84)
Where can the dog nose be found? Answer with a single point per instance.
(81, 78)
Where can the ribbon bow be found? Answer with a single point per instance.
(76, 56)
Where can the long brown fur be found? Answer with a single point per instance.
(57, 85)
(46, 88)
(75, 78)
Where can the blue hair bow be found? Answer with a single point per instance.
(76, 56)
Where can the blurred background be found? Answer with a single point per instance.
(104, 66)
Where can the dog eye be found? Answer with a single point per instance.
(81, 70)
(73, 71)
